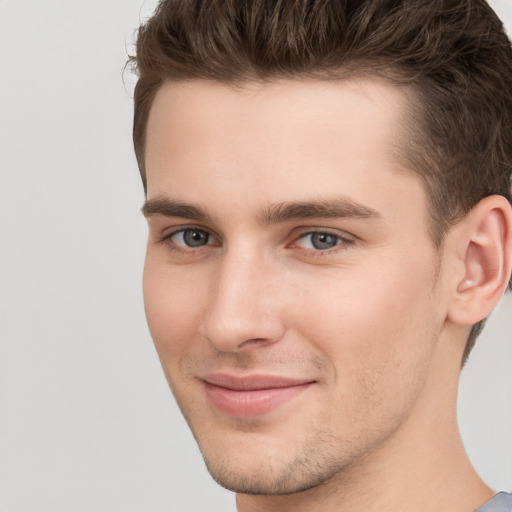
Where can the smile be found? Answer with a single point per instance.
(252, 395)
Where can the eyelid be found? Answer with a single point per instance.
(167, 238)
(345, 240)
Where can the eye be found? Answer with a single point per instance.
(191, 237)
(319, 241)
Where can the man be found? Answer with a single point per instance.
(329, 206)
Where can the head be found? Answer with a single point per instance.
(454, 55)
(429, 84)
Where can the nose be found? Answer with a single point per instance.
(244, 306)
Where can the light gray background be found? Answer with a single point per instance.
(87, 422)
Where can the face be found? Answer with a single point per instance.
(290, 281)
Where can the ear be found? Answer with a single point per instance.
(485, 251)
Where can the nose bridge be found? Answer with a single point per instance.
(240, 306)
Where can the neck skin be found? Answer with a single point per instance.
(423, 466)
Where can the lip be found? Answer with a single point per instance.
(251, 395)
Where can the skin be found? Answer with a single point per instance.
(367, 322)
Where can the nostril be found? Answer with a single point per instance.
(255, 341)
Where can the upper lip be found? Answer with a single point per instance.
(253, 382)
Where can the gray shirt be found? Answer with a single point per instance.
(502, 502)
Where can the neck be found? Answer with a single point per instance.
(432, 478)
(423, 466)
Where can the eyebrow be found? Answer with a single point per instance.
(277, 213)
(326, 209)
(172, 208)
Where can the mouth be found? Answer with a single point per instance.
(252, 395)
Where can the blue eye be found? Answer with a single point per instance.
(191, 237)
(319, 241)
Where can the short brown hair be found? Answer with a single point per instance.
(453, 53)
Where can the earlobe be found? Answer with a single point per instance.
(486, 249)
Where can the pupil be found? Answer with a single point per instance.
(323, 240)
(195, 237)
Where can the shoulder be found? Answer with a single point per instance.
(502, 502)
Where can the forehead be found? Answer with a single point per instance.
(279, 141)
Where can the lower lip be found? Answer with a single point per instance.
(250, 403)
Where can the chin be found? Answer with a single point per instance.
(270, 471)
(286, 480)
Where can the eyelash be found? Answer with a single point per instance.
(342, 242)
(183, 249)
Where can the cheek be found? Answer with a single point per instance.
(173, 304)
(377, 327)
